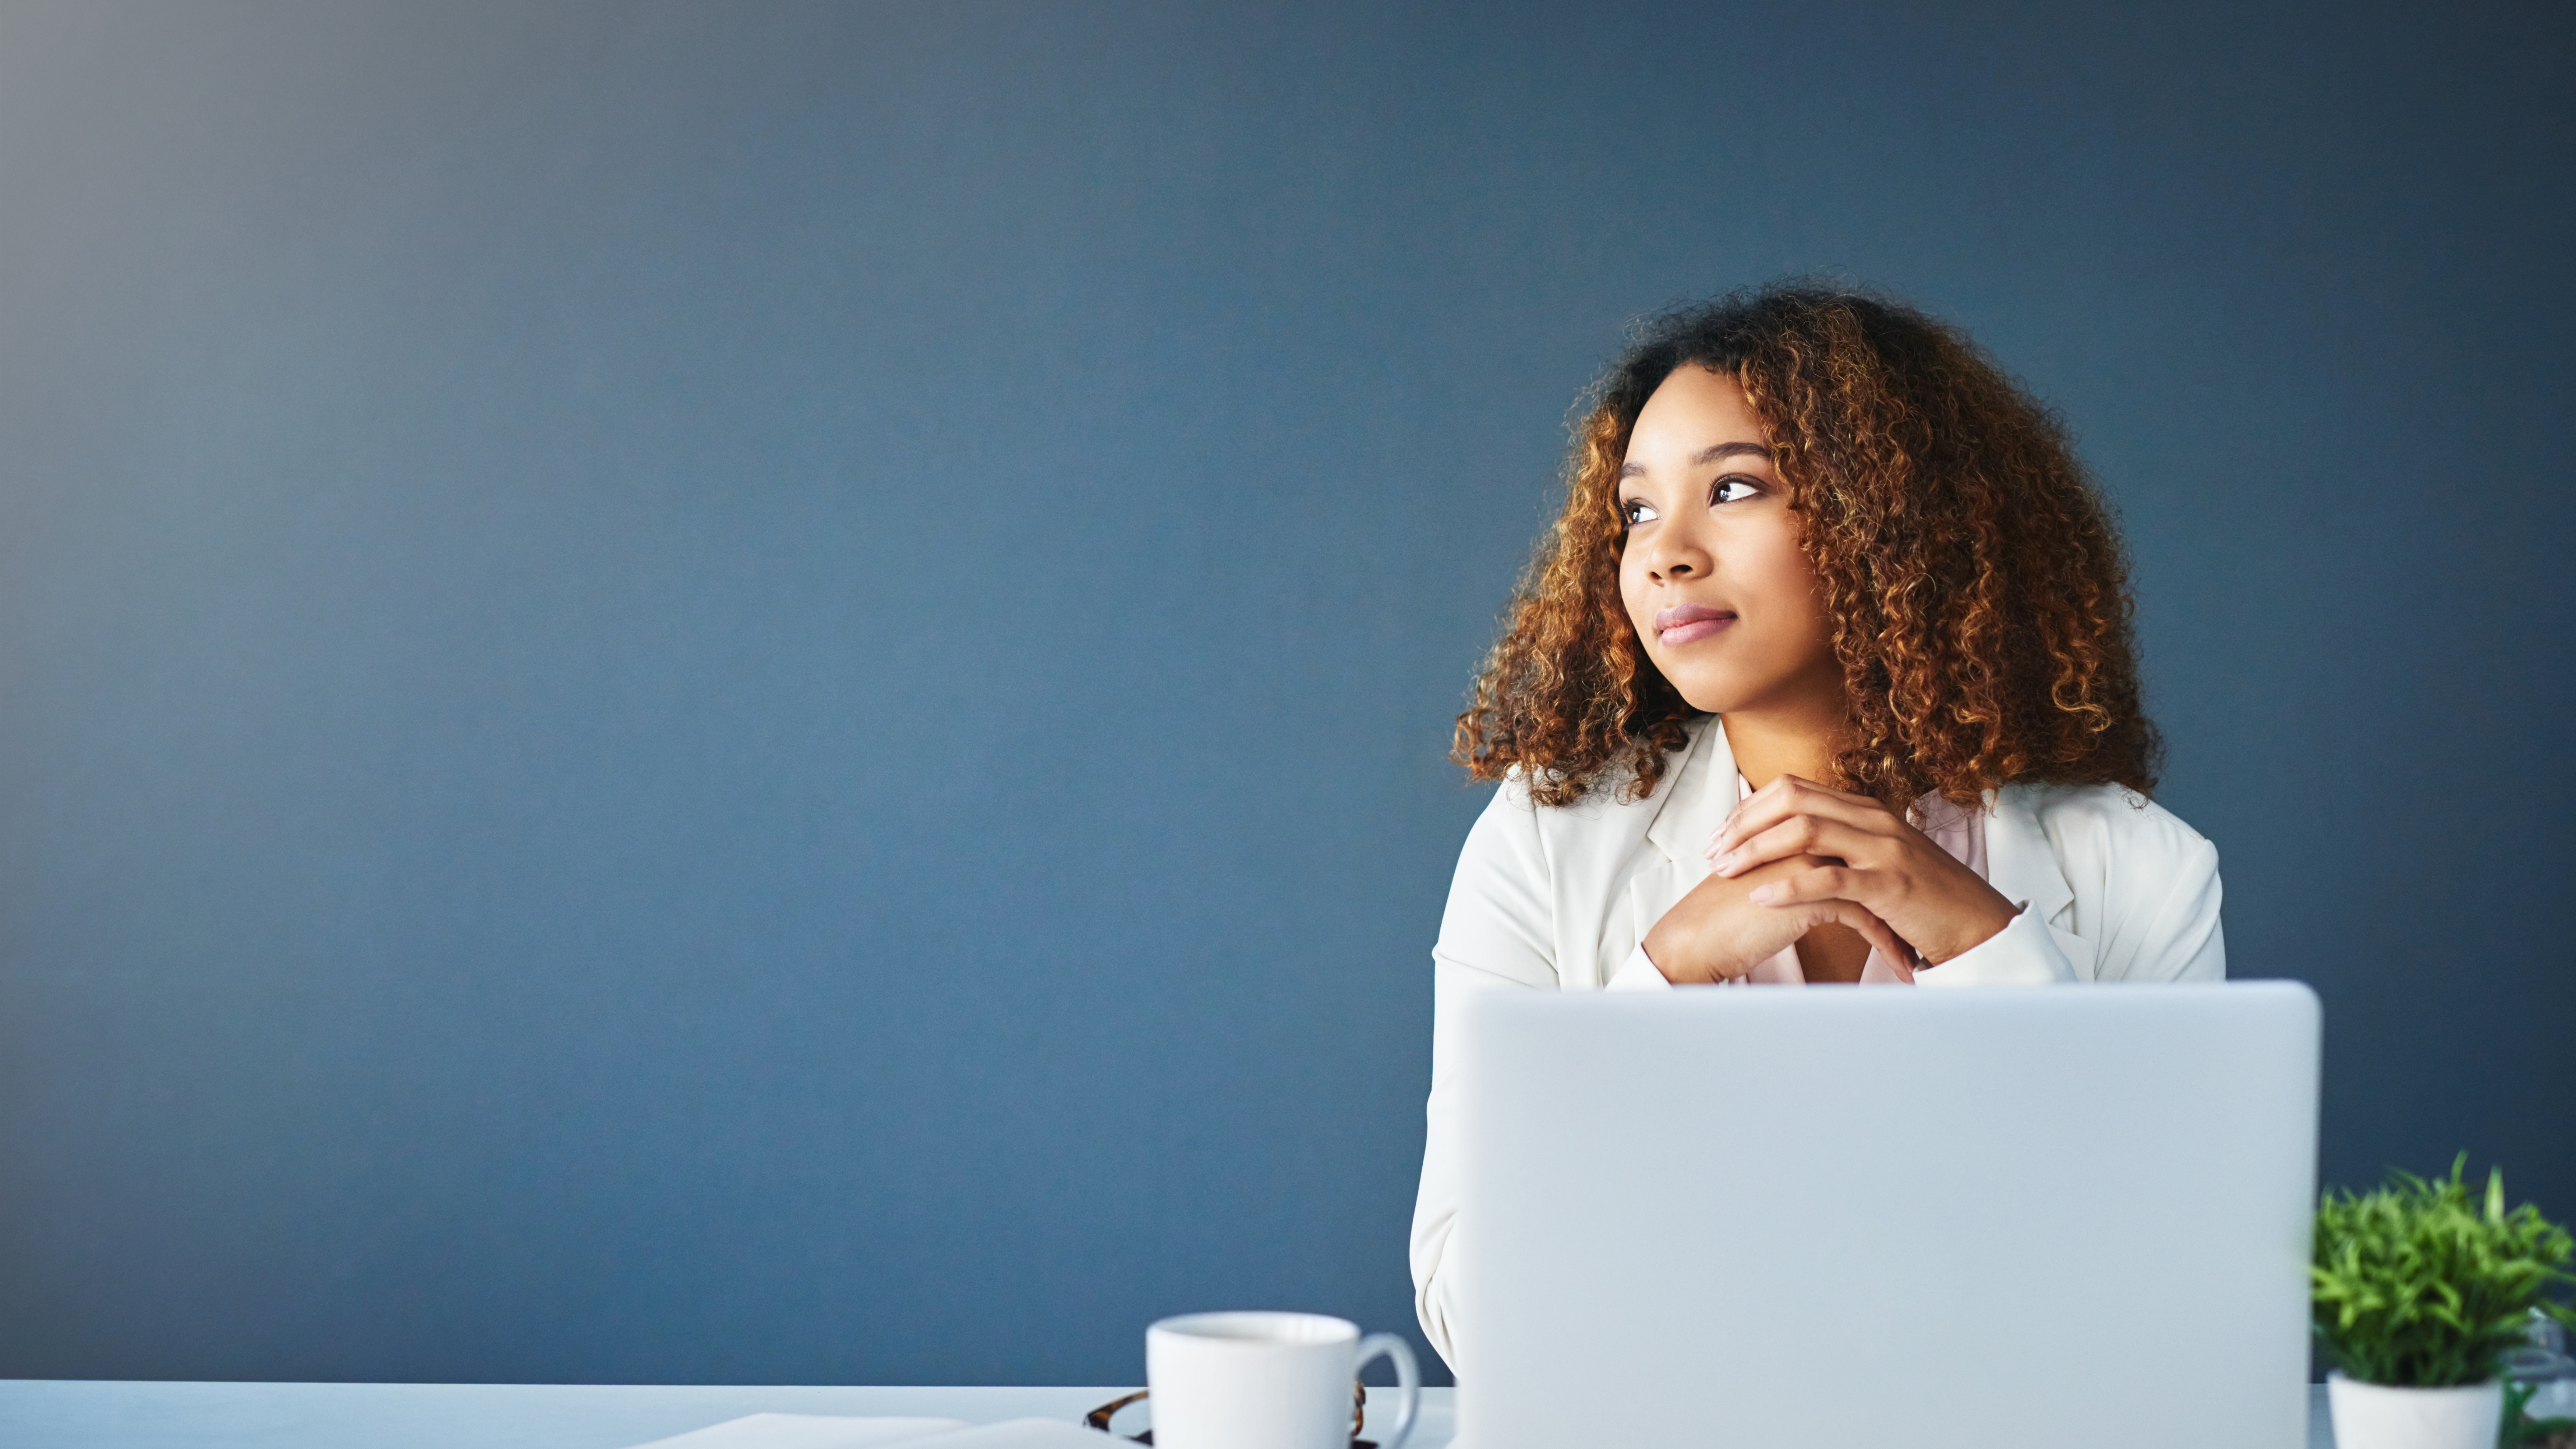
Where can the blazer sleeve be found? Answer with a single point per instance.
(2170, 929)
(2021, 954)
(2142, 906)
(1496, 935)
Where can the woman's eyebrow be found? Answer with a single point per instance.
(1728, 450)
(1705, 456)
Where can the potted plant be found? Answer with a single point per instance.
(2418, 1288)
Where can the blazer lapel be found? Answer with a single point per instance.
(1696, 800)
(2021, 865)
(1701, 795)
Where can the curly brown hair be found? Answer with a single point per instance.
(1976, 584)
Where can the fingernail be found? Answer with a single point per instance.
(1723, 863)
(1763, 895)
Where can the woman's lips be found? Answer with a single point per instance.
(1684, 623)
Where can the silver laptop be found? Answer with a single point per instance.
(1859, 1217)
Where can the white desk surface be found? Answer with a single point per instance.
(96, 1414)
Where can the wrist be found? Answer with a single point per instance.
(1987, 925)
(1657, 949)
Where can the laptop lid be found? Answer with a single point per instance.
(1862, 1217)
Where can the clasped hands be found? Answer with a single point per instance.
(1796, 855)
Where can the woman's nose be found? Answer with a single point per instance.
(1677, 558)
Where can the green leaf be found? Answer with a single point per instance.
(2421, 1283)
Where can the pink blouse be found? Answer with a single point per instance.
(1960, 832)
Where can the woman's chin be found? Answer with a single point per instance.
(1727, 691)
(1709, 697)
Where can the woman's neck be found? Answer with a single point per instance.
(1768, 743)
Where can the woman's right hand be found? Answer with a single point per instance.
(1716, 934)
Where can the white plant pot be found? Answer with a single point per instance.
(2384, 1416)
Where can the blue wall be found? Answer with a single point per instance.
(756, 693)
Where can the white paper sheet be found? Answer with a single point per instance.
(807, 1431)
(1021, 1434)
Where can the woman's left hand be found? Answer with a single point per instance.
(1925, 895)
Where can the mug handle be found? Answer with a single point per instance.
(1408, 1377)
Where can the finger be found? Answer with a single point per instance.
(1768, 793)
(1831, 882)
(1891, 948)
(1788, 784)
(1826, 882)
(1805, 783)
(1806, 835)
(1882, 938)
(1789, 796)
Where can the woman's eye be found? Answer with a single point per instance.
(1732, 490)
(1636, 511)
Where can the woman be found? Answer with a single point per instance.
(1823, 674)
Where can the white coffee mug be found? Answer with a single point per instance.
(1266, 1381)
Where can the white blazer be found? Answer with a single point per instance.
(2112, 888)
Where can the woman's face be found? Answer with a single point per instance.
(1726, 602)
